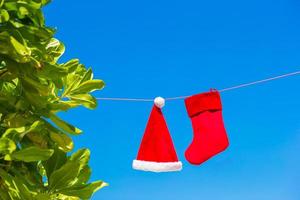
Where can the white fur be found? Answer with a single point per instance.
(156, 166)
(159, 102)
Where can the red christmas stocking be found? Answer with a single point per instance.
(210, 138)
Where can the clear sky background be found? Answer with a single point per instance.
(170, 48)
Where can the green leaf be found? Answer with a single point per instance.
(64, 176)
(16, 24)
(56, 161)
(11, 6)
(32, 154)
(61, 196)
(23, 11)
(35, 85)
(54, 72)
(7, 146)
(84, 175)
(4, 16)
(16, 187)
(38, 138)
(1, 3)
(64, 125)
(88, 86)
(70, 82)
(88, 75)
(24, 191)
(63, 105)
(86, 191)
(20, 48)
(43, 196)
(4, 194)
(81, 156)
(71, 65)
(44, 2)
(63, 141)
(55, 48)
(20, 132)
(36, 4)
(85, 99)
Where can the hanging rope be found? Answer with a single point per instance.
(183, 97)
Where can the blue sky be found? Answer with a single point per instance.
(169, 48)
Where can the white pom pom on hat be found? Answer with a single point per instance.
(159, 102)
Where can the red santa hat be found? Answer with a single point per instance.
(157, 152)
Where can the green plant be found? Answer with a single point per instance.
(34, 86)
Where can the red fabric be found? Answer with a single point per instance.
(210, 138)
(203, 102)
(157, 145)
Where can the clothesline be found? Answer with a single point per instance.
(221, 90)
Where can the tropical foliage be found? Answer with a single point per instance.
(35, 144)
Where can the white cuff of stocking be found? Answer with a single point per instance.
(156, 166)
